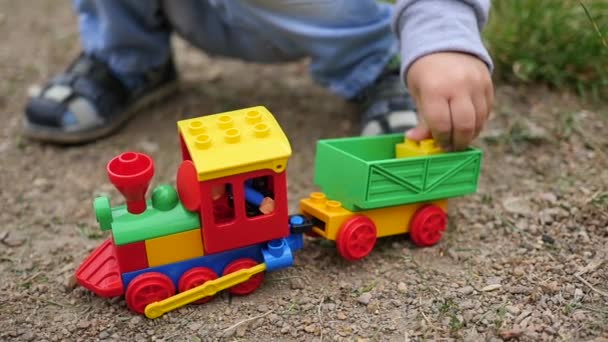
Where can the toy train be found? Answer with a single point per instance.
(226, 221)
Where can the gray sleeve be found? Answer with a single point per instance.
(428, 26)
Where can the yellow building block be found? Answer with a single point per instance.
(389, 221)
(175, 247)
(235, 142)
(411, 148)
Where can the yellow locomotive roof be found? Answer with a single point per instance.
(235, 142)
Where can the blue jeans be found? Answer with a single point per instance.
(348, 41)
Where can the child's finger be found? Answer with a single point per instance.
(436, 112)
(464, 122)
(481, 112)
(420, 132)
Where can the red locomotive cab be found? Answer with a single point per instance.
(234, 175)
(231, 210)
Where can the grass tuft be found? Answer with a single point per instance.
(558, 43)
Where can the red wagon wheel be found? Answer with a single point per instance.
(195, 277)
(356, 238)
(428, 225)
(250, 285)
(148, 288)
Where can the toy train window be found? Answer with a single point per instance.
(223, 203)
(259, 196)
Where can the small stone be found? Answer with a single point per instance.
(104, 334)
(195, 326)
(578, 295)
(401, 287)
(70, 282)
(136, 320)
(519, 272)
(341, 316)
(579, 315)
(548, 239)
(28, 336)
(273, 318)
(491, 287)
(241, 330)
(310, 328)
(262, 308)
(40, 182)
(467, 290)
(516, 205)
(296, 284)
(329, 306)
(365, 298)
(466, 305)
(513, 310)
(228, 333)
(83, 324)
(549, 197)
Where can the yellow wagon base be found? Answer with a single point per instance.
(356, 232)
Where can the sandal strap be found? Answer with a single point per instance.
(89, 78)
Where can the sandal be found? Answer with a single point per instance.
(88, 101)
(387, 105)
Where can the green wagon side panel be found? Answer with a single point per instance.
(363, 173)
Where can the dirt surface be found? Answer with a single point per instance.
(524, 258)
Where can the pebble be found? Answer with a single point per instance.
(329, 306)
(365, 298)
(273, 318)
(241, 330)
(467, 290)
(310, 328)
(296, 284)
(549, 197)
(578, 295)
(136, 320)
(513, 310)
(104, 334)
(401, 287)
(196, 326)
(341, 316)
(519, 271)
(491, 287)
(548, 239)
(516, 205)
(83, 324)
(262, 308)
(466, 305)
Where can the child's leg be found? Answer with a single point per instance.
(126, 64)
(349, 42)
(132, 36)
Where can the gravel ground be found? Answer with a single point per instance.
(524, 258)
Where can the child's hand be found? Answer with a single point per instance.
(454, 95)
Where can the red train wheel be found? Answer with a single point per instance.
(148, 288)
(195, 277)
(356, 238)
(250, 285)
(428, 225)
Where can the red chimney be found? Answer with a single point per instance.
(131, 173)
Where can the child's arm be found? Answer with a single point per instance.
(446, 67)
